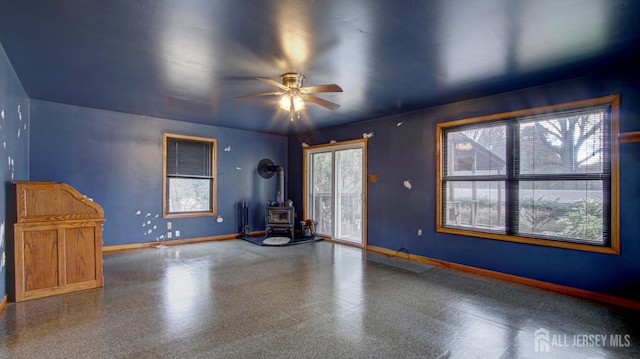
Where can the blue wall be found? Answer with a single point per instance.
(403, 148)
(14, 154)
(116, 159)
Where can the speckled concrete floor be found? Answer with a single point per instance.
(233, 299)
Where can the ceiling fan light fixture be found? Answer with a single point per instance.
(285, 102)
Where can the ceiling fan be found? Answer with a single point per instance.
(293, 95)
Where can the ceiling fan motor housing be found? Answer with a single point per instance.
(292, 79)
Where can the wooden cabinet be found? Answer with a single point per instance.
(57, 241)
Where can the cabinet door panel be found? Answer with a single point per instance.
(40, 259)
(80, 254)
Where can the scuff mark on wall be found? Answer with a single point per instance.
(147, 222)
(304, 144)
(150, 225)
(367, 135)
(407, 184)
(227, 149)
(10, 165)
(399, 123)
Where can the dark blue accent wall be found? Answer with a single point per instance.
(404, 148)
(116, 159)
(14, 152)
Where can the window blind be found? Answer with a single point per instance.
(555, 169)
(188, 158)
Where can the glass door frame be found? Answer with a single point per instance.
(306, 181)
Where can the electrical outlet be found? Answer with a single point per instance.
(168, 225)
(177, 233)
(168, 234)
(419, 232)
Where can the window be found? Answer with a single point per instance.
(543, 176)
(189, 168)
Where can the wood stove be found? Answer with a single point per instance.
(279, 220)
(279, 216)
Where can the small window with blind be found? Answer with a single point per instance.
(189, 170)
(543, 176)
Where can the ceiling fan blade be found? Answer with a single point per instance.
(322, 88)
(322, 102)
(261, 94)
(273, 82)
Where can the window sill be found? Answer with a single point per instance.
(612, 249)
(189, 215)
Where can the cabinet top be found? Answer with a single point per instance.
(38, 201)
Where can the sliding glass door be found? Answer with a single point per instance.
(335, 190)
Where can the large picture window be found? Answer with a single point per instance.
(189, 181)
(543, 176)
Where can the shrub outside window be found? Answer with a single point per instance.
(543, 176)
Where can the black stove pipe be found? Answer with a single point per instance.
(280, 189)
